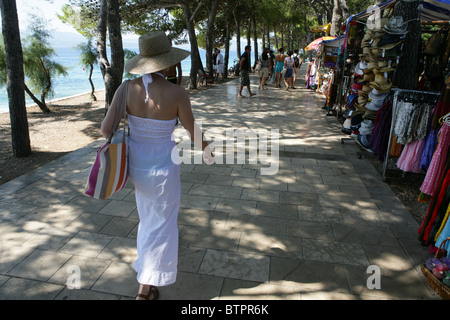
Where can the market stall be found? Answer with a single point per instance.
(408, 130)
(331, 51)
(313, 73)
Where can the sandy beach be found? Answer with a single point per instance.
(73, 123)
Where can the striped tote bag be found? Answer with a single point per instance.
(109, 173)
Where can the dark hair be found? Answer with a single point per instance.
(290, 53)
(296, 51)
(248, 47)
(265, 56)
(281, 50)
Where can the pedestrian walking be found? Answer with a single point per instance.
(279, 58)
(264, 66)
(220, 64)
(244, 67)
(153, 106)
(290, 69)
(174, 74)
(298, 61)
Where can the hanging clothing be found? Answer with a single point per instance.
(443, 236)
(440, 214)
(409, 160)
(379, 139)
(442, 107)
(431, 142)
(404, 113)
(442, 185)
(443, 225)
(438, 162)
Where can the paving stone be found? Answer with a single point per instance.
(235, 265)
(25, 289)
(40, 265)
(124, 285)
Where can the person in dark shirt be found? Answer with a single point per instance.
(244, 66)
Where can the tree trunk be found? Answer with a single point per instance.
(405, 74)
(41, 105)
(196, 62)
(115, 41)
(227, 46)
(255, 38)
(92, 83)
(336, 19)
(15, 80)
(109, 19)
(238, 41)
(209, 35)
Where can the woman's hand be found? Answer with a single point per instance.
(208, 156)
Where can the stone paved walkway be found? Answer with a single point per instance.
(308, 232)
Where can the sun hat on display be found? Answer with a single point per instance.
(377, 95)
(381, 83)
(390, 41)
(375, 105)
(371, 64)
(155, 54)
(396, 26)
(384, 69)
(375, 23)
(362, 65)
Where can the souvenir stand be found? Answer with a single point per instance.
(411, 128)
(331, 52)
(314, 73)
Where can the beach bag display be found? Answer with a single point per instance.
(437, 272)
(109, 173)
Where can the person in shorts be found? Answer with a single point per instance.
(244, 67)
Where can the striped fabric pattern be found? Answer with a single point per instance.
(109, 173)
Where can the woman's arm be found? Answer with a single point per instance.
(115, 112)
(187, 120)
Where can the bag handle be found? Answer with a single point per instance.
(441, 246)
(124, 117)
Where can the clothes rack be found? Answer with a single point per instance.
(393, 119)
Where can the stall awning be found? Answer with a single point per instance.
(316, 43)
(334, 42)
(367, 13)
(323, 28)
(435, 10)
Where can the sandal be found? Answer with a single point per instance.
(153, 294)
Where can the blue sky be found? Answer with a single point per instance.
(48, 9)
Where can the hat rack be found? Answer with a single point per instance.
(393, 119)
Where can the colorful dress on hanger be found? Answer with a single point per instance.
(379, 139)
(409, 160)
(437, 201)
(437, 163)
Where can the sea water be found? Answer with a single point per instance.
(77, 80)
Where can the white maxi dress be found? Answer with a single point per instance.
(158, 188)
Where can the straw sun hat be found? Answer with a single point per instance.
(155, 54)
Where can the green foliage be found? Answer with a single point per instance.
(39, 65)
(128, 54)
(88, 56)
(72, 15)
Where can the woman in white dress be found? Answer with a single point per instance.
(153, 106)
